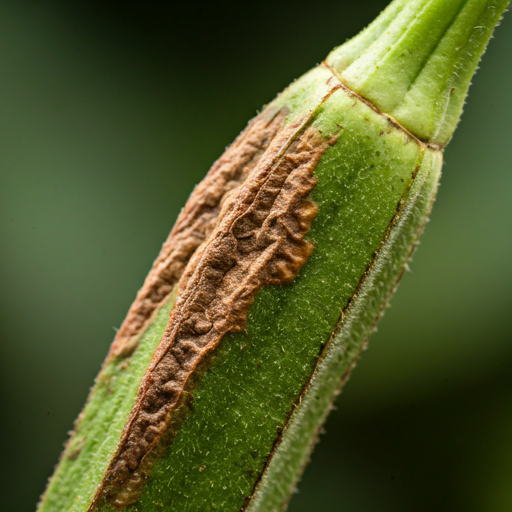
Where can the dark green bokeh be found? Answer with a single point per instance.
(109, 115)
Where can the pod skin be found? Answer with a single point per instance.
(274, 276)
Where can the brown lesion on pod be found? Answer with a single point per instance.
(257, 240)
(195, 222)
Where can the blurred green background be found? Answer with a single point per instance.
(110, 113)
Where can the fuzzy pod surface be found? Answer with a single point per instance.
(274, 276)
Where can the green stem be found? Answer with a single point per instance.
(416, 61)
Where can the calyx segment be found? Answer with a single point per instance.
(416, 60)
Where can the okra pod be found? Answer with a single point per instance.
(274, 276)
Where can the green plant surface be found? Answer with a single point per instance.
(254, 414)
(399, 61)
(102, 420)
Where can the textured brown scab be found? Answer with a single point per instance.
(258, 241)
(195, 223)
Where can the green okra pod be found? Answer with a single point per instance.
(274, 276)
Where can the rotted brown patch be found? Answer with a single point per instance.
(258, 241)
(195, 222)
